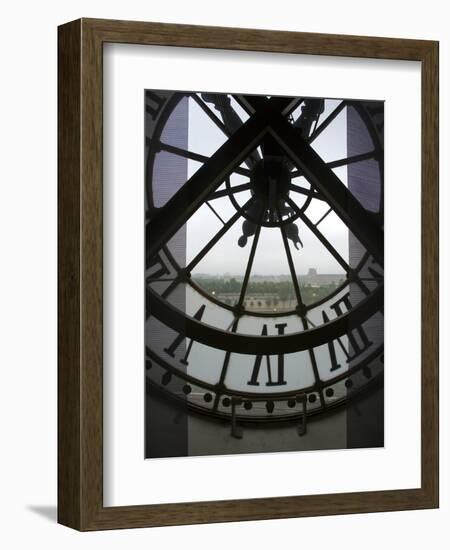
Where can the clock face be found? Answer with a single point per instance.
(263, 273)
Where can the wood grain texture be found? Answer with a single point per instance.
(69, 243)
(80, 403)
(430, 272)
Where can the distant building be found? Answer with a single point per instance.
(276, 301)
(318, 279)
(312, 277)
(255, 301)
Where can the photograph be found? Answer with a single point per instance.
(264, 273)
(236, 223)
(247, 274)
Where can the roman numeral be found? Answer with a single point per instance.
(153, 103)
(158, 269)
(377, 114)
(280, 367)
(358, 341)
(376, 275)
(180, 338)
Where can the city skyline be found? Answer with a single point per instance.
(268, 275)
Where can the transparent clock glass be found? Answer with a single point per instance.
(263, 282)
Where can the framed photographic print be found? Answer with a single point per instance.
(248, 274)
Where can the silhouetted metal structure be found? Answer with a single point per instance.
(270, 149)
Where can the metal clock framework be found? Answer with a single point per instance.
(271, 148)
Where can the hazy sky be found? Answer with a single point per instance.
(205, 137)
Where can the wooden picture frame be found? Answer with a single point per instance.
(80, 414)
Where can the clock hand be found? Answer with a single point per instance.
(293, 235)
(248, 227)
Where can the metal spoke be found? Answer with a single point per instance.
(214, 212)
(327, 122)
(351, 160)
(206, 249)
(244, 104)
(233, 190)
(324, 216)
(290, 262)
(316, 122)
(319, 235)
(182, 152)
(341, 162)
(211, 114)
(218, 236)
(308, 321)
(251, 258)
(239, 304)
(307, 192)
(315, 369)
(173, 285)
(179, 151)
(226, 362)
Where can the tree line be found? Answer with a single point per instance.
(283, 290)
